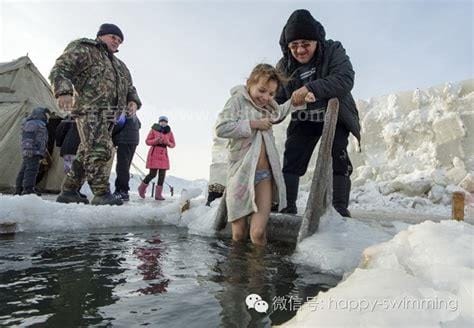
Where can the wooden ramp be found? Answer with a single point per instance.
(294, 228)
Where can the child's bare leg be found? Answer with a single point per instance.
(259, 220)
(239, 229)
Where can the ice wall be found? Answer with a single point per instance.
(418, 143)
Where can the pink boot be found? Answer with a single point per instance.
(158, 191)
(142, 189)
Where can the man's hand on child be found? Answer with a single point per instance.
(262, 124)
(298, 96)
(310, 98)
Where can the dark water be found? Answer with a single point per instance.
(160, 277)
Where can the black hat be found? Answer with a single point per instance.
(110, 29)
(302, 26)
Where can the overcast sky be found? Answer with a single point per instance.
(185, 56)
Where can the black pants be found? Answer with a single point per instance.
(299, 148)
(26, 179)
(125, 154)
(152, 174)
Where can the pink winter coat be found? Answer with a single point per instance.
(158, 154)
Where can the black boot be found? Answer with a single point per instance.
(212, 195)
(82, 195)
(341, 193)
(71, 196)
(292, 182)
(106, 199)
(18, 191)
(29, 191)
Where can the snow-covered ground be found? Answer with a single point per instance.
(422, 277)
(417, 150)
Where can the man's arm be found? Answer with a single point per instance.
(63, 73)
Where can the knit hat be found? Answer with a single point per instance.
(39, 113)
(163, 118)
(107, 28)
(302, 26)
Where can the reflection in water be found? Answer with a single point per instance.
(151, 267)
(68, 283)
(267, 272)
(162, 278)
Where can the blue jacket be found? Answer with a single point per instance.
(34, 136)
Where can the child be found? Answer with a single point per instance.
(254, 163)
(34, 138)
(159, 138)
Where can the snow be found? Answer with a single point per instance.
(422, 277)
(398, 268)
(34, 214)
(339, 242)
(416, 145)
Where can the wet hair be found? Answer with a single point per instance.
(267, 72)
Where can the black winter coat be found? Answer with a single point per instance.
(128, 134)
(67, 138)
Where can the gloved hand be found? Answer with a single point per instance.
(121, 120)
(166, 129)
(160, 140)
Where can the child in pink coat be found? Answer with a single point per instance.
(159, 138)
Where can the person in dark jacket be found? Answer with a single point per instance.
(67, 138)
(314, 64)
(126, 137)
(34, 138)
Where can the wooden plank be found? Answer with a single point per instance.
(320, 195)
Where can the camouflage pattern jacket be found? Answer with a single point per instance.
(97, 79)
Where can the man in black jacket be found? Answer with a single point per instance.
(314, 64)
(126, 138)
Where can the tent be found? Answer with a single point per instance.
(22, 88)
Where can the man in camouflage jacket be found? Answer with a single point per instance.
(96, 87)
